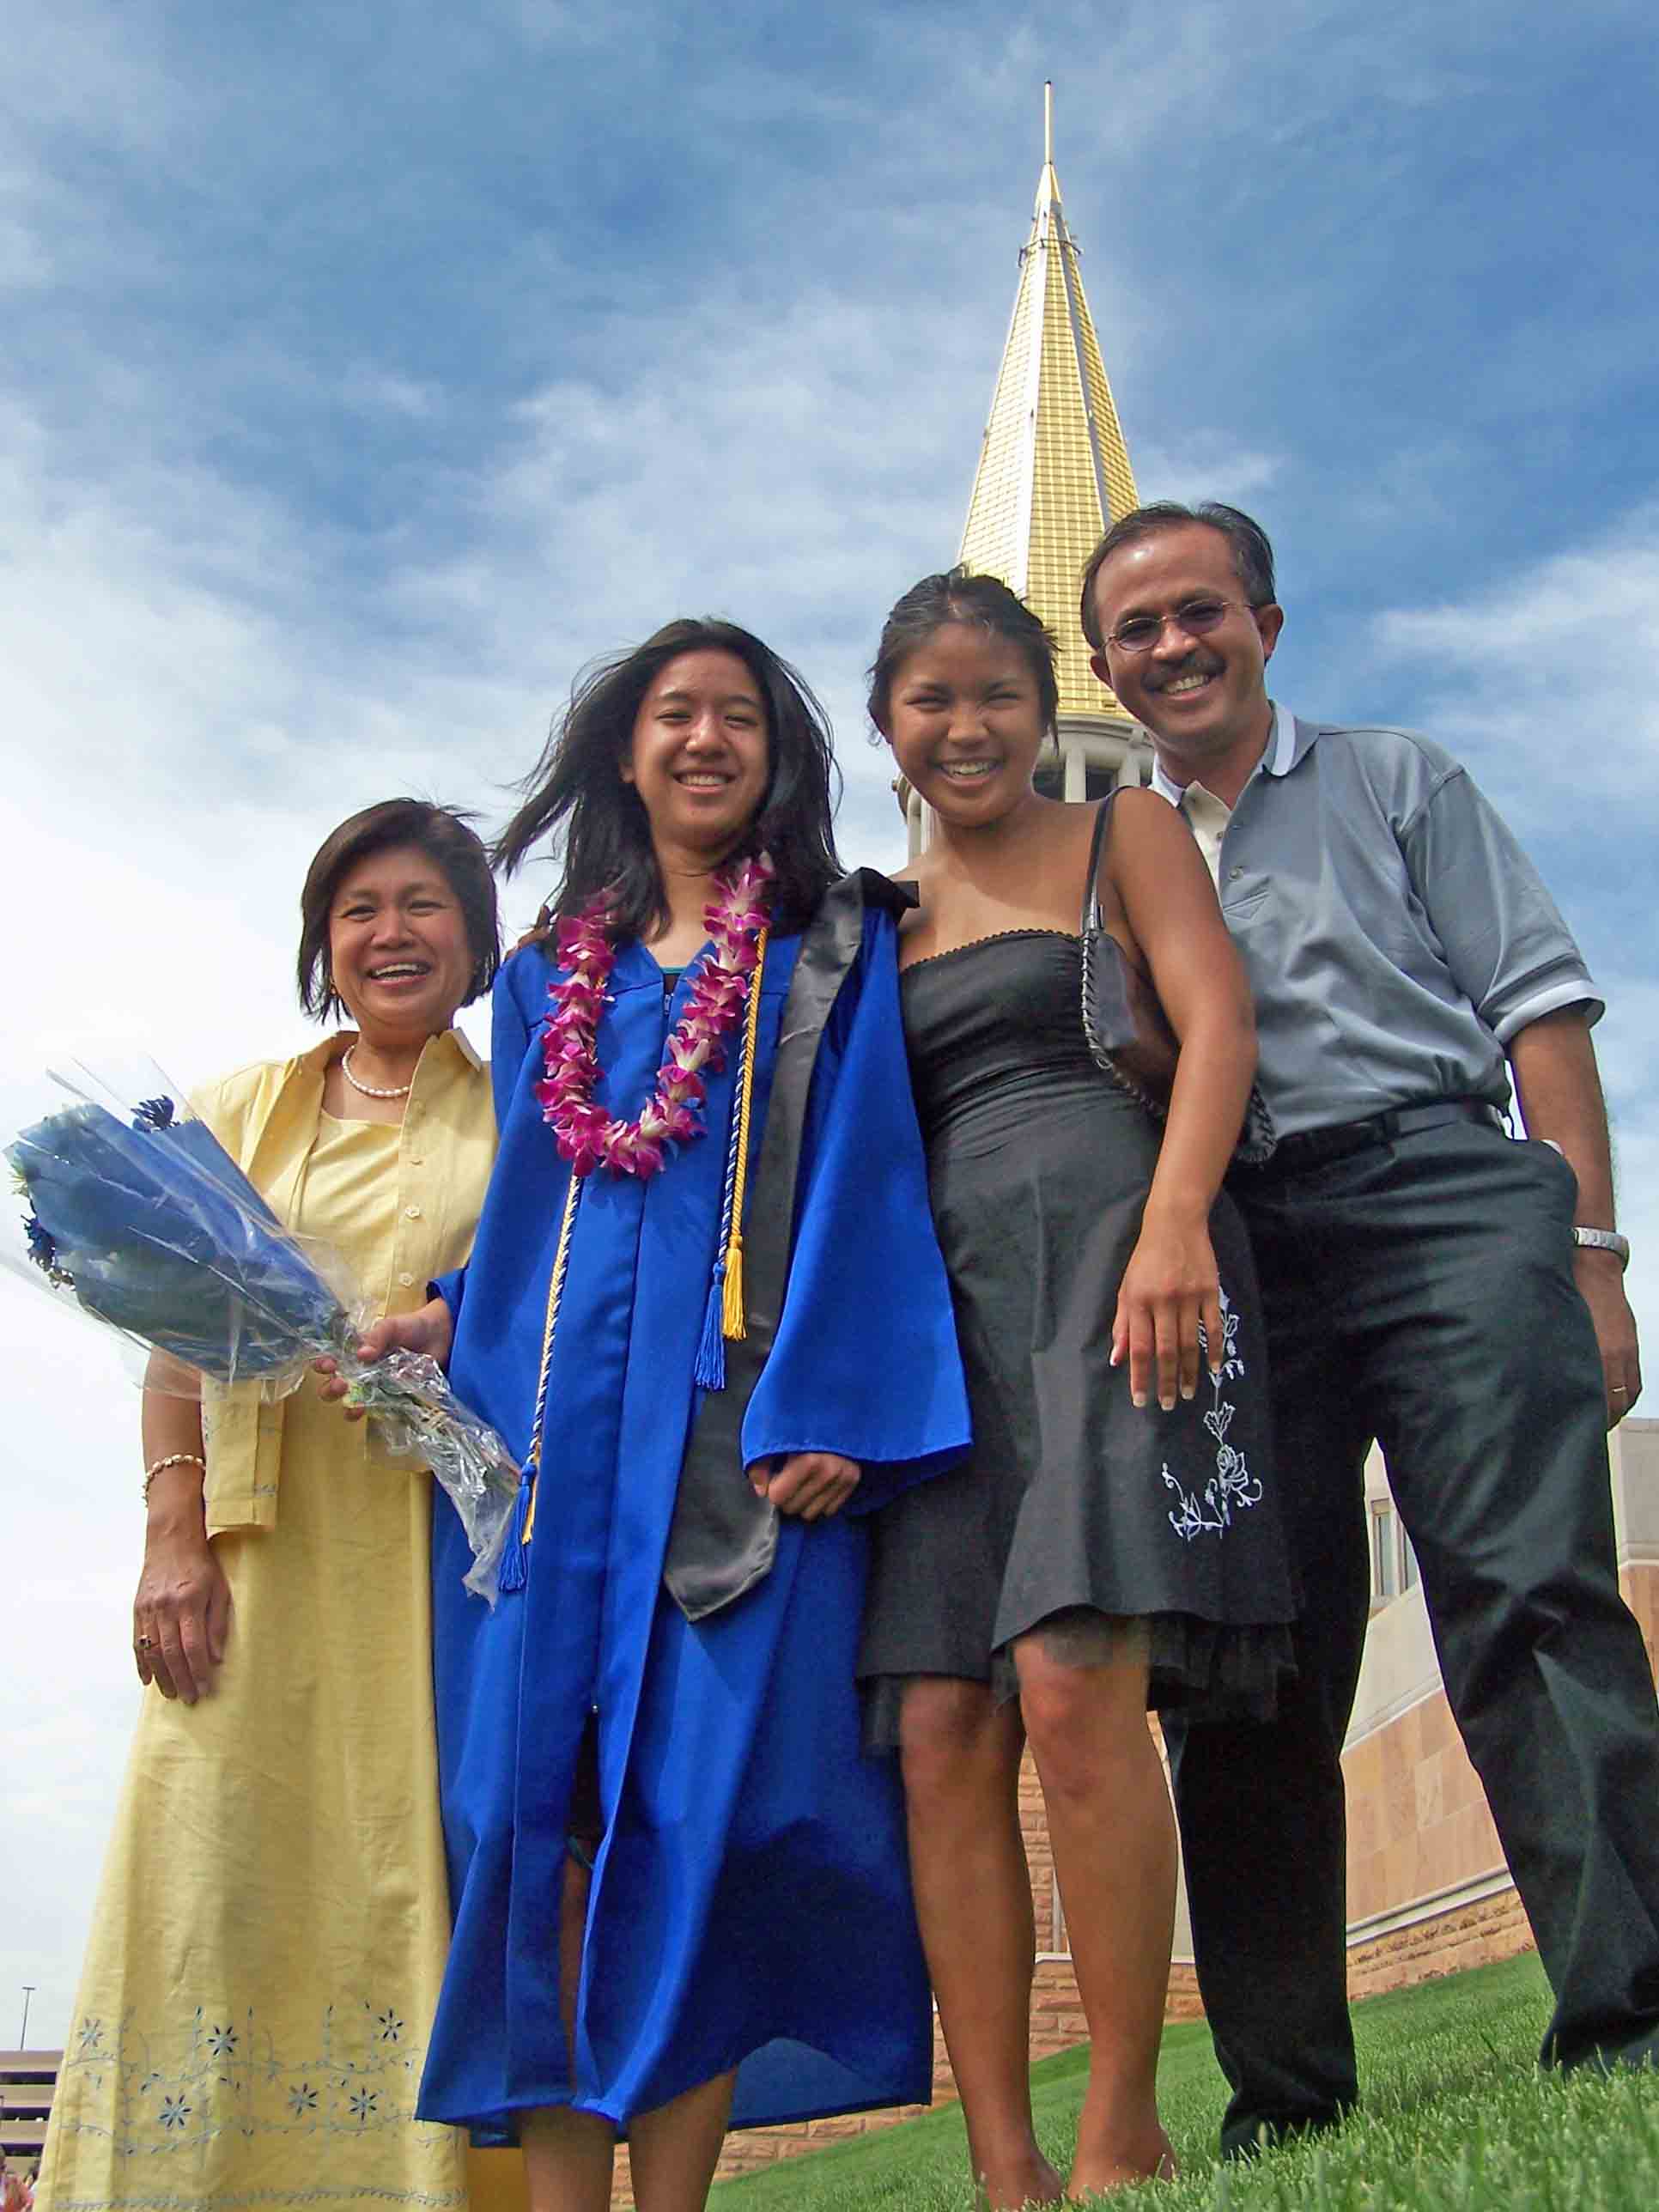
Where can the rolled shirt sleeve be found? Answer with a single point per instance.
(1504, 942)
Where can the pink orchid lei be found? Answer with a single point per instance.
(587, 1136)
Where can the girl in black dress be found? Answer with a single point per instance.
(1112, 1542)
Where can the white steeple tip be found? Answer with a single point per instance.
(1048, 194)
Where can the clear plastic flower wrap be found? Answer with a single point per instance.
(147, 1224)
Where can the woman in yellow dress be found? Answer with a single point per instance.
(269, 1934)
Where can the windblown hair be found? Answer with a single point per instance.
(959, 596)
(1252, 556)
(577, 785)
(439, 832)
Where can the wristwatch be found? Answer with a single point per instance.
(1603, 1240)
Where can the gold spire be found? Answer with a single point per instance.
(1053, 470)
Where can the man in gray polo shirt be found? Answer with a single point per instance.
(1428, 1281)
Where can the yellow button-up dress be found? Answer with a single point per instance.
(269, 1934)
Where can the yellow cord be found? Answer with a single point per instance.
(555, 1294)
(732, 1325)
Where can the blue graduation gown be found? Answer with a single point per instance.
(751, 1903)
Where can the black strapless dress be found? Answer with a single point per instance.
(1071, 1496)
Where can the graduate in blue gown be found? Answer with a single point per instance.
(680, 1891)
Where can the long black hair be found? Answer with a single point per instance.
(607, 834)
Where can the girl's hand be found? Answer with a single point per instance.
(182, 1609)
(810, 1485)
(1170, 1286)
(430, 1329)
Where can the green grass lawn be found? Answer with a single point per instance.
(1455, 2118)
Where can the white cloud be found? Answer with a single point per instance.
(88, 75)
(24, 263)
(1548, 675)
(1542, 683)
(373, 390)
(1207, 465)
(69, 1540)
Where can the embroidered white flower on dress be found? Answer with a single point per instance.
(168, 2088)
(1232, 1488)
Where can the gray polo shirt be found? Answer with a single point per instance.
(1395, 935)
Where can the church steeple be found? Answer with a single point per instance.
(1053, 470)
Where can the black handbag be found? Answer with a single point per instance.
(1127, 1030)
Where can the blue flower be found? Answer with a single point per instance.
(159, 1234)
(163, 1236)
(174, 2111)
(92, 2034)
(301, 2099)
(222, 2041)
(43, 1252)
(390, 2025)
(364, 2103)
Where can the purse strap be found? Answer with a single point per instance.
(1092, 928)
(1091, 914)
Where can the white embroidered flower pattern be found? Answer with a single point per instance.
(165, 2089)
(1232, 1488)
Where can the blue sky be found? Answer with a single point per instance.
(369, 368)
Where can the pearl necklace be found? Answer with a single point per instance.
(368, 1090)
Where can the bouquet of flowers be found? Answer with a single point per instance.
(150, 1226)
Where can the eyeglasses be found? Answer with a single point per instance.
(1198, 618)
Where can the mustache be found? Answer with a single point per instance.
(1195, 663)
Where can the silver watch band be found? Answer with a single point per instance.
(1603, 1240)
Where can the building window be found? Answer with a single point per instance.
(1385, 1573)
(1393, 1563)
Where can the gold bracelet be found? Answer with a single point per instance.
(173, 1458)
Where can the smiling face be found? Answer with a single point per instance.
(700, 755)
(966, 724)
(399, 952)
(1204, 698)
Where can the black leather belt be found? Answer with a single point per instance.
(1313, 1148)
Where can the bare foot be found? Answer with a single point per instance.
(1101, 2172)
(1033, 2183)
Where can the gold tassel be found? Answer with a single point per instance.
(732, 1325)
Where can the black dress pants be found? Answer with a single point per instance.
(1421, 1292)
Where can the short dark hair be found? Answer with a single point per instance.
(607, 835)
(442, 834)
(957, 595)
(1252, 556)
